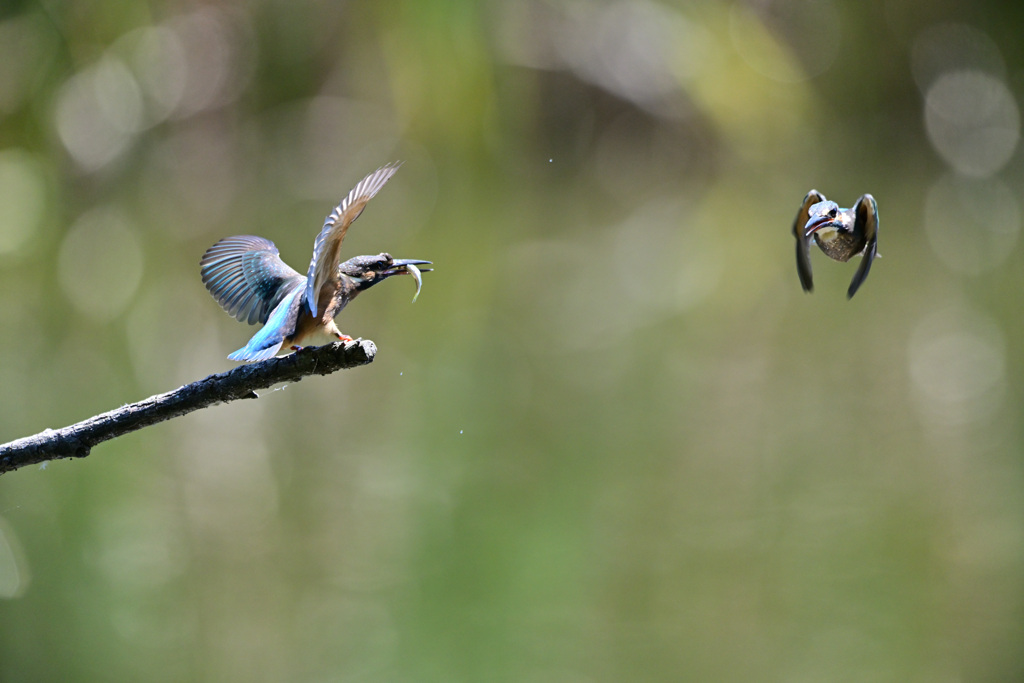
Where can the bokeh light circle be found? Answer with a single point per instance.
(101, 263)
(957, 361)
(99, 110)
(971, 224)
(972, 121)
(22, 199)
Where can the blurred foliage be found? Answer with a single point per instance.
(612, 440)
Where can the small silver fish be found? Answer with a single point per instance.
(418, 277)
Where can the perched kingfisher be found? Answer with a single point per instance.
(841, 234)
(250, 281)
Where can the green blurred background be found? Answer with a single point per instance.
(613, 440)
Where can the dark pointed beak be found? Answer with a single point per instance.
(816, 224)
(398, 266)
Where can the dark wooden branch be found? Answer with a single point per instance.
(242, 382)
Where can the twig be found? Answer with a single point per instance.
(77, 440)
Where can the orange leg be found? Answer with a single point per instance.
(331, 328)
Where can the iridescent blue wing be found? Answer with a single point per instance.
(327, 247)
(866, 223)
(247, 277)
(281, 323)
(803, 243)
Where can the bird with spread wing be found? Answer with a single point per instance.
(840, 233)
(247, 277)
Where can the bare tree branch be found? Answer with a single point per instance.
(77, 440)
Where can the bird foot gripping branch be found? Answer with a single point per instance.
(249, 280)
(840, 233)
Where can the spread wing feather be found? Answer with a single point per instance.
(280, 323)
(247, 277)
(327, 247)
(866, 220)
(803, 243)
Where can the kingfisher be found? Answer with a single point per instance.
(247, 277)
(840, 233)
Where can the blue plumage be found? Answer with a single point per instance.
(267, 342)
(246, 276)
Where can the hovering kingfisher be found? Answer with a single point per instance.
(249, 280)
(841, 234)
